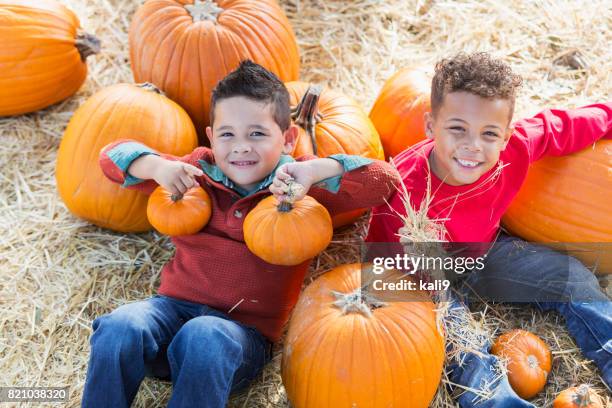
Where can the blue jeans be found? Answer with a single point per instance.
(526, 273)
(205, 353)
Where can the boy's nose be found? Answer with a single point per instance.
(241, 148)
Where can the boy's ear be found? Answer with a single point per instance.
(290, 136)
(428, 118)
(209, 134)
(507, 135)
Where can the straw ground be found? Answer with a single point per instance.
(57, 273)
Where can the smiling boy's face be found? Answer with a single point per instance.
(469, 133)
(246, 141)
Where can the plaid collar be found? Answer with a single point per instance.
(215, 173)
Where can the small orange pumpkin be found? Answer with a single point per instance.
(529, 361)
(186, 46)
(578, 397)
(567, 199)
(330, 122)
(398, 112)
(42, 54)
(287, 233)
(179, 214)
(346, 347)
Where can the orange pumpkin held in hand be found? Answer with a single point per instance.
(186, 46)
(529, 361)
(42, 54)
(398, 112)
(179, 214)
(287, 233)
(578, 397)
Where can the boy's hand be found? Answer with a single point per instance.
(175, 176)
(297, 172)
(305, 173)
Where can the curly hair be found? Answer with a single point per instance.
(476, 73)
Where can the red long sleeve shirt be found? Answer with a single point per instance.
(472, 213)
(214, 267)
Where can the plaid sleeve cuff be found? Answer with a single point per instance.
(124, 154)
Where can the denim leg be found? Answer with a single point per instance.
(517, 271)
(478, 369)
(210, 357)
(122, 344)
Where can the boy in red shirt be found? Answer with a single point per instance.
(475, 163)
(219, 306)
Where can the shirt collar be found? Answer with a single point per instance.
(215, 173)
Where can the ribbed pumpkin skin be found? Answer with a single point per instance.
(529, 361)
(399, 110)
(392, 359)
(185, 216)
(287, 238)
(578, 397)
(567, 199)
(121, 111)
(39, 61)
(186, 59)
(344, 126)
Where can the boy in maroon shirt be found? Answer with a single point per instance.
(219, 306)
(473, 164)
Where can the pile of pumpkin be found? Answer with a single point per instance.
(366, 354)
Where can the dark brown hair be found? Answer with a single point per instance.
(253, 81)
(476, 73)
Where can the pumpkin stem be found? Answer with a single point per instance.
(306, 115)
(176, 197)
(582, 398)
(358, 301)
(532, 361)
(147, 86)
(285, 206)
(204, 10)
(87, 44)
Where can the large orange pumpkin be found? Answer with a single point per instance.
(181, 214)
(186, 48)
(344, 348)
(42, 54)
(120, 111)
(287, 233)
(567, 199)
(398, 112)
(330, 122)
(529, 361)
(578, 397)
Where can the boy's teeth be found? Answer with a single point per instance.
(468, 163)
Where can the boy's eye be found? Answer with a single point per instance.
(491, 134)
(226, 134)
(457, 129)
(258, 134)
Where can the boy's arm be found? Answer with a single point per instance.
(117, 157)
(558, 132)
(363, 183)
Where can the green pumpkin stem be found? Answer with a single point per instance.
(358, 301)
(582, 398)
(204, 10)
(147, 86)
(87, 44)
(176, 197)
(285, 206)
(306, 114)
